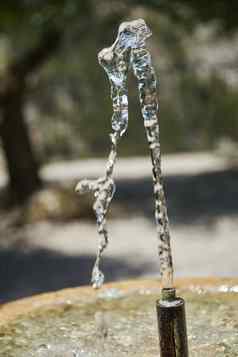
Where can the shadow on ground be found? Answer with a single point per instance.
(27, 273)
(190, 198)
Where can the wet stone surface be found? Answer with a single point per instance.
(121, 324)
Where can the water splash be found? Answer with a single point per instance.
(129, 49)
(115, 63)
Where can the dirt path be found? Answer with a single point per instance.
(135, 167)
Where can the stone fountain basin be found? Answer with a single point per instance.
(119, 320)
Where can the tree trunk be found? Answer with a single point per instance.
(22, 166)
(21, 163)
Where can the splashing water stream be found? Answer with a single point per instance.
(144, 72)
(129, 49)
(115, 63)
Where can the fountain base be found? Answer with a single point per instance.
(119, 320)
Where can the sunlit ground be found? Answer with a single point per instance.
(202, 193)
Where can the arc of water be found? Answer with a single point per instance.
(115, 63)
(131, 39)
(130, 49)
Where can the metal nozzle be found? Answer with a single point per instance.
(172, 324)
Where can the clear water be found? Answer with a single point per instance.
(116, 67)
(129, 50)
(147, 86)
(119, 324)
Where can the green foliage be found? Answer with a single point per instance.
(207, 112)
(222, 109)
(194, 113)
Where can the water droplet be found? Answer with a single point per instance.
(97, 278)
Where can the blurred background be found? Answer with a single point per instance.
(55, 112)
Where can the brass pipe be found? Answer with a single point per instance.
(172, 325)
